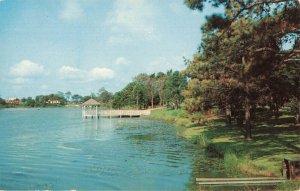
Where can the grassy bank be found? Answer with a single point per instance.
(273, 140)
(186, 128)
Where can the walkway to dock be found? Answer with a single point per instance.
(114, 113)
(91, 109)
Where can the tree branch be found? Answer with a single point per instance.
(296, 51)
(265, 49)
(248, 8)
(292, 59)
(233, 71)
(256, 4)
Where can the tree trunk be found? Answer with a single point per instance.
(248, 134)
(276, 111)
(152, 100)
(137, 101)
(297, 117)
(161, 101)
(161, 98)
(177, 104)
(253, 114)
(228, 115)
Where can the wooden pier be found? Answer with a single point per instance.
(91, 109)
(114, 113)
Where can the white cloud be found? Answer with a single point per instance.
(133, 15)
(121, 61)
(26, 69)
(71, 73)
(101, 73)
(68, 70)
(44, 87)
(72, 10)
(75, 74)
(132, 18)
(19, 81)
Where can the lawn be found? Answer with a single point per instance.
(273, 140)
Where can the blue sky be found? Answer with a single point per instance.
(80, 46)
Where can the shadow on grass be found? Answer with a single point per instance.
(230, 155)
(270, 137)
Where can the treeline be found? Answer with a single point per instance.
(54, 99)
(145, 91)
(44, 100)
(150, 90)
(241, 65)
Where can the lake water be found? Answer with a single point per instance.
(54, 148)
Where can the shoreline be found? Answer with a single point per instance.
(38, 107)
(240, 158)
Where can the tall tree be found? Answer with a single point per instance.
(175, 84)
(77, 98)
(150, 84)
(104, 96)
(242, 48)
(161, 86)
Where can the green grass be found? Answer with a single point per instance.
(271, 143)
(273, 140)
(288, 186)
(188, 128)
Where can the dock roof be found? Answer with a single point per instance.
(91, 102)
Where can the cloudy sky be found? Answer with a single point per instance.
(83, 45)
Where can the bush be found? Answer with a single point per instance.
(231, 164)
(195, 139)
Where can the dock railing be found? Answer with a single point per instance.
(115, 113)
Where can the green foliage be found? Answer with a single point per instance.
(77, 98)
(133, 95)
(85, 98)
(30, 102)
(240, 158)
(104, 97)
(240, 9)
(240, 64)
(194, 139)
(2, 102)
(289, 185)
(150, 84)
(43, 101)
(175, 84)
(152, 90)
(231, 164)
(177, 117)
(117, 100)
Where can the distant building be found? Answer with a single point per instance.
(14, 101)
(53, 101)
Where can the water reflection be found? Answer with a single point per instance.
(56, 149)
(99, 129)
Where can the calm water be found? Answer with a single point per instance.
(56, 149)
